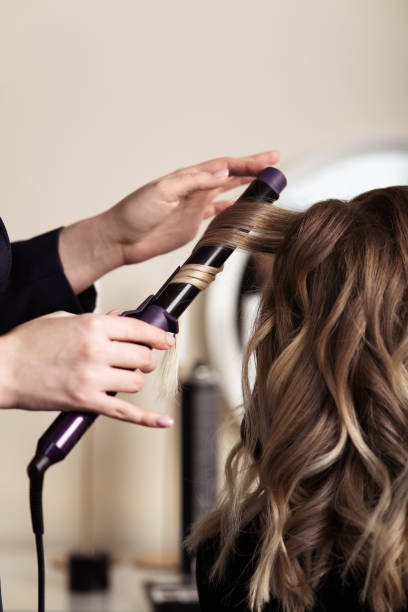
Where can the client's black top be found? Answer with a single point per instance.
(33, 283)
(231, 593)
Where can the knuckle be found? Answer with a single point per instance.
(123, 413)
(118, 412)
(79, 397)
(86, 349)
(91, 323)
(164, 183)
(162, 187)
(136, 324)
(83, 384)
(147, 360)
(138, 382)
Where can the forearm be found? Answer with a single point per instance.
(88, 251)
(7, 365)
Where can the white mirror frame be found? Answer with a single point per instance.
(340, 174)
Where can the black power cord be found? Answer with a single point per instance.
(41, 571)
(35, 472)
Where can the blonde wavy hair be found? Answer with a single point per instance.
(321, 468)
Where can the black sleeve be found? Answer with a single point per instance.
(35, 281)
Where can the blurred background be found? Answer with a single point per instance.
(97, 98)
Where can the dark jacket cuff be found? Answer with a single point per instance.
(38, 285)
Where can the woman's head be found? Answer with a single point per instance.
(323, 456)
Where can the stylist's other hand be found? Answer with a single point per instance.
(157, 218)
(167, 213)
(69, 362)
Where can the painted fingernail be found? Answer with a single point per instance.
(164, 421)
(171, 339)
(221, 173)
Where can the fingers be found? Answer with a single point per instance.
(236, 181)
(117, 408)
(117, 380)
(178, 185)
(127, 329)
(249, 165)
(216, 207)
(131, 356)
(224, 172)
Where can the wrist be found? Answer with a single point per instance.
(8, 383)
(109, 239)
(88, 250)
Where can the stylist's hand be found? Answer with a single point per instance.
(68, 362)
(155, 219)
(166, 213)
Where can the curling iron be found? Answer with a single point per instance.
(162, 310)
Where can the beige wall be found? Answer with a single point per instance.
(98, 97)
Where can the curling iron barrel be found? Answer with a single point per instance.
(162, 310)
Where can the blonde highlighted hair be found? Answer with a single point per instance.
(322, 462)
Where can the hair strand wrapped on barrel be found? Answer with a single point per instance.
(321, 469)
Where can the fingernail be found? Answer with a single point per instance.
(164, 421)
(171, 339)
(221, 173)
